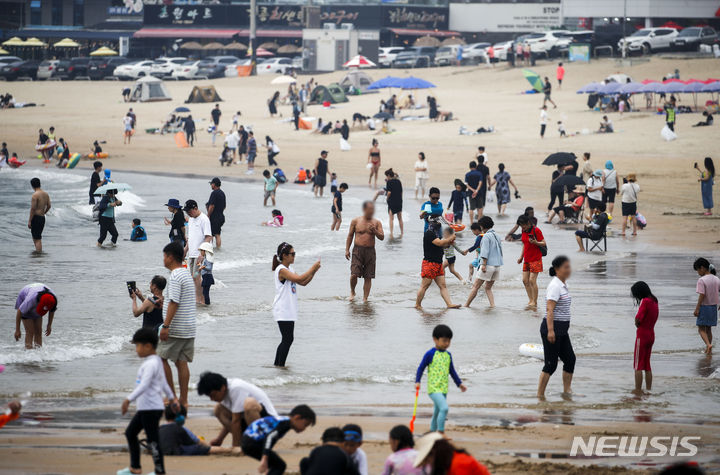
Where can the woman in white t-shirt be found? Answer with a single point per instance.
(285, 306)
(611, 184)
(554, 328)
(421, 175)
(594, 192)
(629, 192)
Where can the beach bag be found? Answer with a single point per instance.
(344, 145)
(668, 134)
(96, 213)
(641, 221)
(543, 249)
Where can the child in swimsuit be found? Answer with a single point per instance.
(450, 254)
(277, 219)
(206, 251)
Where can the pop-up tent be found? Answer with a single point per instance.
(203, 94)
(149, 89)
(357, 79)
(331, 93)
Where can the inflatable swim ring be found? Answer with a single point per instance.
(73, 161)
(532, 350)
(45, 146)
(98, 155)
(15, 163)
(457, 227)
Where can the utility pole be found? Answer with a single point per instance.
(624, 21)
(253, 32)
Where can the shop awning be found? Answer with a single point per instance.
(213, 33)
(75, 34)
(414, 32)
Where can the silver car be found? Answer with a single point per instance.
(47, 68)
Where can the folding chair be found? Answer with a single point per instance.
(596, 243)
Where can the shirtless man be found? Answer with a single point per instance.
(364, 229)
(39, 206)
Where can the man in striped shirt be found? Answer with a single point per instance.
(177, 336)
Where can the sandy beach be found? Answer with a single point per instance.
(478, 96)
(82, 112)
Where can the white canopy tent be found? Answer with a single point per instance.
(149, 89)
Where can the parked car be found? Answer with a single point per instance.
(73, 68)
(47, 68)
(297, 63)
(691, 38)
(8, 59)
(475, 53)
(387, 55)
(186, 70)
(19, 69)
(274, 66)
(447, 55)
(501, 50)
(607, 35)
(214, 66)
(231, 69)
(415, 57)
(134, 69)
(165, 66)
(100, 68)
(550, 42)
(648, 40)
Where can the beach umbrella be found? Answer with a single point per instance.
(427, 41)
(14, 41)
(412, 82)
(181, 109)
(589, 88)
(2, 51)
(534, 79)
(113, 186)
(34, 42)
(652, 87)
(693, 87)
(672, 87)
(214, 46)
(104, 51)
(567, 181)
(455, 40)
(269, 45)
(387, 81)
(559, 158)
(631, 88)
(711, 87)
(191, 45)
(287, 49)
(284, 79)
(359, 61)
(66, 43)
(648, 81)
(610, 88)
(235, 46)
(261, 52)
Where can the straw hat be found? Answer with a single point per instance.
(424, 445)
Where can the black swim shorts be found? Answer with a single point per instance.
(37, 224)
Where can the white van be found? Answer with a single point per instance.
(447, 55)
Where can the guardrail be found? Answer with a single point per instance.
(604, 47)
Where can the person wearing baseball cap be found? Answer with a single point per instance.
(33, 302)
(177, 222)
(215, 207)
(198, 231)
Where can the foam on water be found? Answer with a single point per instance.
(316, 251)
(63, 351)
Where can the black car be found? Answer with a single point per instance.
(214, 66)
(691, 38)
(609, 35)
(100, 68)
(415, 57)
(73, 68)
(20, 69)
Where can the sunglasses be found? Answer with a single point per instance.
(291, 253)
(434, 197)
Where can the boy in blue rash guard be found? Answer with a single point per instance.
(262, 435)
(138, 232)
(476, 230)
(439, 363)
(457, 201)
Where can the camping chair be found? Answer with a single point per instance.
(596, 243)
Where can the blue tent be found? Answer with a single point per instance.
(415, 83)
(388, 81)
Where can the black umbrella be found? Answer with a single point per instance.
(567, 181)
(560, 158)
(383, 116)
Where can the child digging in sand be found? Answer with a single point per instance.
(439, 363)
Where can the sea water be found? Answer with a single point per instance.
(347, 357)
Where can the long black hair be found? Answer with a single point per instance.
(702, 262)
(403, 436)
(710, 166)
(444, 452)
(282, 250)
(557, 263)
(640, 290)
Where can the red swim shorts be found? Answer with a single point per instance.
(643, 349)
(431, 270)
(535, 267)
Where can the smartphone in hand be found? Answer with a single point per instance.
(131, 287)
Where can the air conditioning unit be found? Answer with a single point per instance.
(329, 26)
(346, 26)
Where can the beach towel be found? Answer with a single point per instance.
(304, 124)
(180, 140)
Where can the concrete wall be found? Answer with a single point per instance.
(641, 8)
